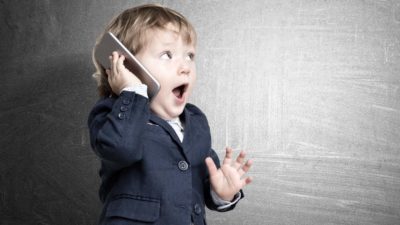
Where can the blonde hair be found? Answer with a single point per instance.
(131, 27)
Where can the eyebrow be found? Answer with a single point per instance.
(171, 43)
(167, 42)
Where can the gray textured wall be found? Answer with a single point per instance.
(309, 88)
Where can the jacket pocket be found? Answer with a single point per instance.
(134, 208)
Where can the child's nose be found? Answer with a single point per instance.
(184, 68)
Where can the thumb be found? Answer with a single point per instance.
(212, 168)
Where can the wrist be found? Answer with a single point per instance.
(127, 86)
(140, 89)
(223, 205)
(226, 198)
(229, 198)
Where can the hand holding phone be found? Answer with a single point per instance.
(108, 44)
(119, 77)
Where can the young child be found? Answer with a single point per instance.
(157, 165)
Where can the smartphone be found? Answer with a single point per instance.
(110, 43)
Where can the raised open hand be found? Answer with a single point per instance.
(229, 179)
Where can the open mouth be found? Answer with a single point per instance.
(180, 90)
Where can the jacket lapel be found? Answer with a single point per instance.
(164, 124)
(188, 131)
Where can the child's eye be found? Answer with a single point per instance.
(166, 55)
(190, 56)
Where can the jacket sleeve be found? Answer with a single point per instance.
(116, 125)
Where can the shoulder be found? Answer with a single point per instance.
(196, 116)
(194, 110)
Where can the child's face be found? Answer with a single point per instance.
(171, 61)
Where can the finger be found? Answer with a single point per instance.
(109, 59)
(245, 181)
(228, 156)
(109, 70)
(109, 75)
(114, 62)
(240, 159)
(248, 180)
(120, 62)
(212, 168)
(246, 167)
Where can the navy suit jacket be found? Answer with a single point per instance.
(148, 175)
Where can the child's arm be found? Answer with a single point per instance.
(116, 124)
(229, 179)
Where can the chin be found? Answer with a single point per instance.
(167, 111)
(177, 112)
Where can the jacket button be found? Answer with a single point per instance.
(121, 116)
(124, 108)
(126, 101)
(183, 165)
(197, 209)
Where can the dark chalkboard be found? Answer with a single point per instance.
(309, 88)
